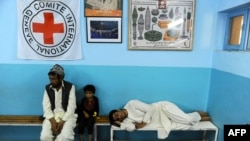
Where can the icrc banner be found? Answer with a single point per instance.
(49, 30)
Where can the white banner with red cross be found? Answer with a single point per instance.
(49, 30)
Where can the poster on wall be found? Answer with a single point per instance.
(103, 8)
(161, 24)
(49, 30)
(104, 30)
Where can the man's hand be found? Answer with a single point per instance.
(60, 126)
(139, 125)
(117, 123)
(54, 126)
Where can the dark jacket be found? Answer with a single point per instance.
(82, 107)
(65, 95)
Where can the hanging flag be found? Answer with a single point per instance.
(49, 30)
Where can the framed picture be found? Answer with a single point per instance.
(100, 29)
(161, 24)
(103, 8)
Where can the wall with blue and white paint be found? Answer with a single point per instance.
(229, 95)
(205, 78)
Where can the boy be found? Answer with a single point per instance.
(88, 110)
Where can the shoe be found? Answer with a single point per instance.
(81, 137)
(90, 137)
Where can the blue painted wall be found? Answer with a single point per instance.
(23, 86)
(229, 96)
(115, 86)
(229, 99)
(116, 54)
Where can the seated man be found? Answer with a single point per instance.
(59, 104)
(162, 115)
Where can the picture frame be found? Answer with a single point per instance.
(103, 8)
(104, 30)
(161, 24)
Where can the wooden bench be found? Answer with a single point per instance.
(20, 120)
(204, 126)
(36, 120)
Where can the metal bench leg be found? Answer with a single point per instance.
(111, 134)
(205, 138)
(95, 132)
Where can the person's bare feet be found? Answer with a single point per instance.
(205, 119)
(203, 114)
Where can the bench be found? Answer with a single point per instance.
(202, 126)
(101, 120)
(36, 120)
(20, 120)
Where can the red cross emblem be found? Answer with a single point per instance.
(48, 28)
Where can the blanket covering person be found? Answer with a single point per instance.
(163, 115)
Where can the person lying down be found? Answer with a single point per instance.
(163, 115)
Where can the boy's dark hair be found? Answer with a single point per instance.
(89, 87)
(111, 119)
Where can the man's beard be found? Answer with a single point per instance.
(56, 85)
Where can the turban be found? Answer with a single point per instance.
(57, 69)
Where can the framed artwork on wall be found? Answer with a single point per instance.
(161, 24)
(103, 8)
(104, 30)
